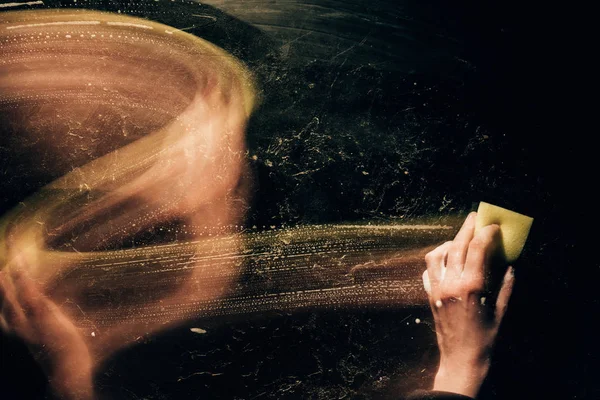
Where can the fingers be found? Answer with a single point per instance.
(457, 254)
(504, 294)
(458, 269)
(479, 254)
(31, 300)
(20, 300)
(13, 316)
(436, 269)
(3, 324)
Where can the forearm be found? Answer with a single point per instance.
(74, 390)
(77, 386)
(466, 325)
(71, 376)
(464, 380)
(435, 395)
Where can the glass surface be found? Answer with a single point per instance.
(233, 199)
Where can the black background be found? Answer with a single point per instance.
(443, 104)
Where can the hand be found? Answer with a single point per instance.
(49, 334)
(461, 297)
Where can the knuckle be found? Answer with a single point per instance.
(429, 256)
(460, 243)
(437, 254)
(478, 244)
(448, 291)
(474, 284)
(456, 254)
(489, 232)
(33, 306)
(493, 229)
(433, 256)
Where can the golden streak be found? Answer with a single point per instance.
(142, 126)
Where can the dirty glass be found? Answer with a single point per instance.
(233, 199)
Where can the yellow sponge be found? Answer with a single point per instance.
(514, 227)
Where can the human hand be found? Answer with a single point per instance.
(461, 296)
(51, 337)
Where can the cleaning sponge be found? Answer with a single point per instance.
(514, 227)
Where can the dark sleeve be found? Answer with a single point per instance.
(436, 395)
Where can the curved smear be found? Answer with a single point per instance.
(147, 125)
(141, 127)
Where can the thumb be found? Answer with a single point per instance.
(426, 283)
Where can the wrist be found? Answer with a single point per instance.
(465, 378)
(73, 380)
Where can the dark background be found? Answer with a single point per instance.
(386, 110)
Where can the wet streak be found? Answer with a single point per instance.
(285, 269)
